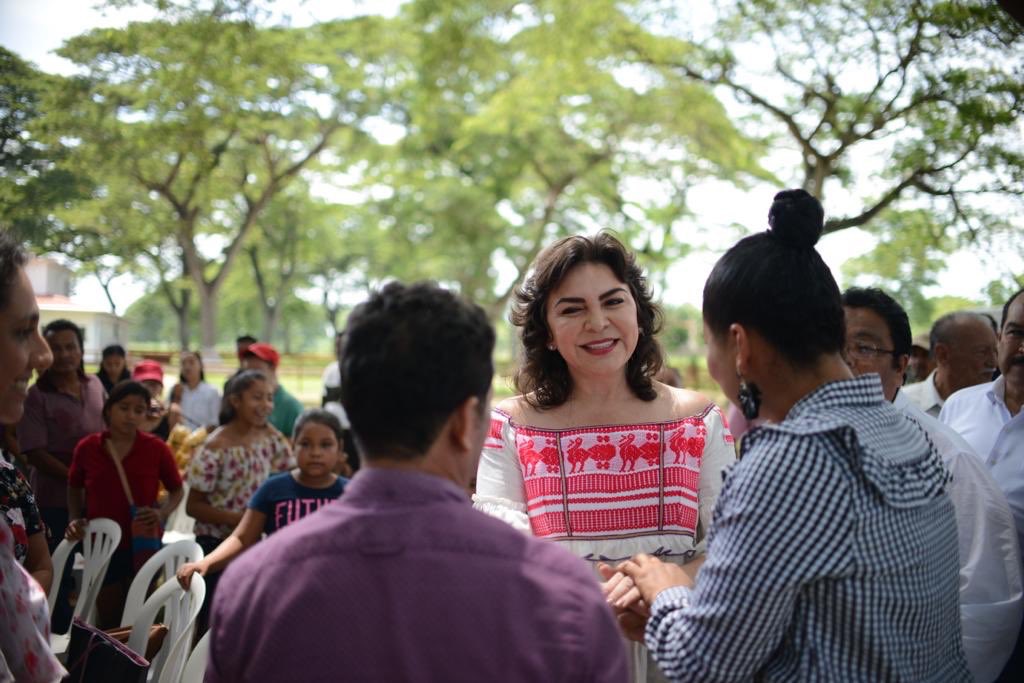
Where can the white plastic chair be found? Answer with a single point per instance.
(195, 668)
(181, 665)
(180, 524)
(180, 610)
(166, 560)
(101, 538)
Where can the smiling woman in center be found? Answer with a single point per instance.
(595, 454)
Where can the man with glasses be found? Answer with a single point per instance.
(991, 602)
(963, 346)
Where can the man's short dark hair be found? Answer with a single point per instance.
(1006, 308)
(64, 325)
(246, 339)
(889, 310)
(411, 355)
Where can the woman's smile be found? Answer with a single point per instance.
(601, 347)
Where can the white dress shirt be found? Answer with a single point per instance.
(991, 589)
(200, 407)
(924, 395)
(980, 415)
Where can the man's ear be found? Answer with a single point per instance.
(463, 424)
(941, 354)
(902, 361)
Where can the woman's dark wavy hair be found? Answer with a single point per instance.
(776, 283)
(543, 376)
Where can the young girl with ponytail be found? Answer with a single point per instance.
(236, 458)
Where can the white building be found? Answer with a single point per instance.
(52, 284)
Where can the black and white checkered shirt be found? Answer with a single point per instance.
(832, 555)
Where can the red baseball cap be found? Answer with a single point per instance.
(264, 352)
(148, 370)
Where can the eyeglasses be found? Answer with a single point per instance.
(866, 352)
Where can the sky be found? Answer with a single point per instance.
(35, 28)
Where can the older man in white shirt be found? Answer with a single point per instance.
(989, 416)
(963, 345)
(991, 588)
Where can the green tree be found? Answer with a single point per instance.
(208, 117)
(1000, 291)
(681, 329)
(32, 183)
(285, 252)
(523, 122)
(904, 106)
(913, 250)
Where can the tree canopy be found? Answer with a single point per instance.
(457, 138)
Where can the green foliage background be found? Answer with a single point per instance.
(261, 176)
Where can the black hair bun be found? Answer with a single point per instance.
(796, 218)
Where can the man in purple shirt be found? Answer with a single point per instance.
(401, 579)
(64, 405)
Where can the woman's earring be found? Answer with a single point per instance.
(551, 347)
(750, 398)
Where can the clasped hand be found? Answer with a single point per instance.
(631, 587)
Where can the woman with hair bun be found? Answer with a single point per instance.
(595, 454)
(833, 551)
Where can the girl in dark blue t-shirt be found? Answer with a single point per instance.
(287, 496)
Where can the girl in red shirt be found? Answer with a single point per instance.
(94, 486)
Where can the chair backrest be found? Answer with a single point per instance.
(59, 559)
(166, 560)
(101, 539)
(180, 608)
(182, 656)
(195, 668)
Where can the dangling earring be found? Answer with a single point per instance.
(750, 398)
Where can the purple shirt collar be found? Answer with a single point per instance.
(373, 484)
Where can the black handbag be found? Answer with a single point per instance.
(95, 656)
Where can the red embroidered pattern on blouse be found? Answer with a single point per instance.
(611, 481)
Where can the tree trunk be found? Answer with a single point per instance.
(271, 319)
(288, 337)
(208, 319)
(331, 312)
(184, 321)
(105, 284)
